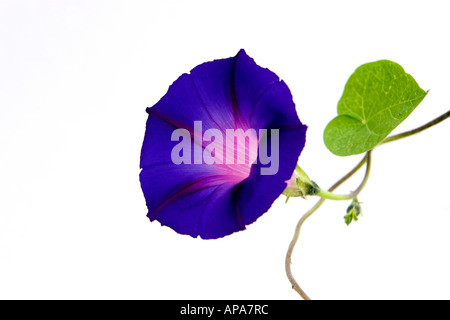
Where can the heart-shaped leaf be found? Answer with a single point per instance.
(376, 99)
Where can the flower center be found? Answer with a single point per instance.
(240, 151)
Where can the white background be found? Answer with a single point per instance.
(75, 79)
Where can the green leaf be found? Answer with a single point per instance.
(376, 99)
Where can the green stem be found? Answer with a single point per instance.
(332, 196)
(366, 175)
(348, 175)
(294, 240)
(367, 159)
(415, 131)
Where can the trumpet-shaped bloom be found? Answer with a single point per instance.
(219, 148)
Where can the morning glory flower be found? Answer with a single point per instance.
(219, 148)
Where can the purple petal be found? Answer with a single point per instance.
(179, 201)
(213, 201)
(258, 192)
